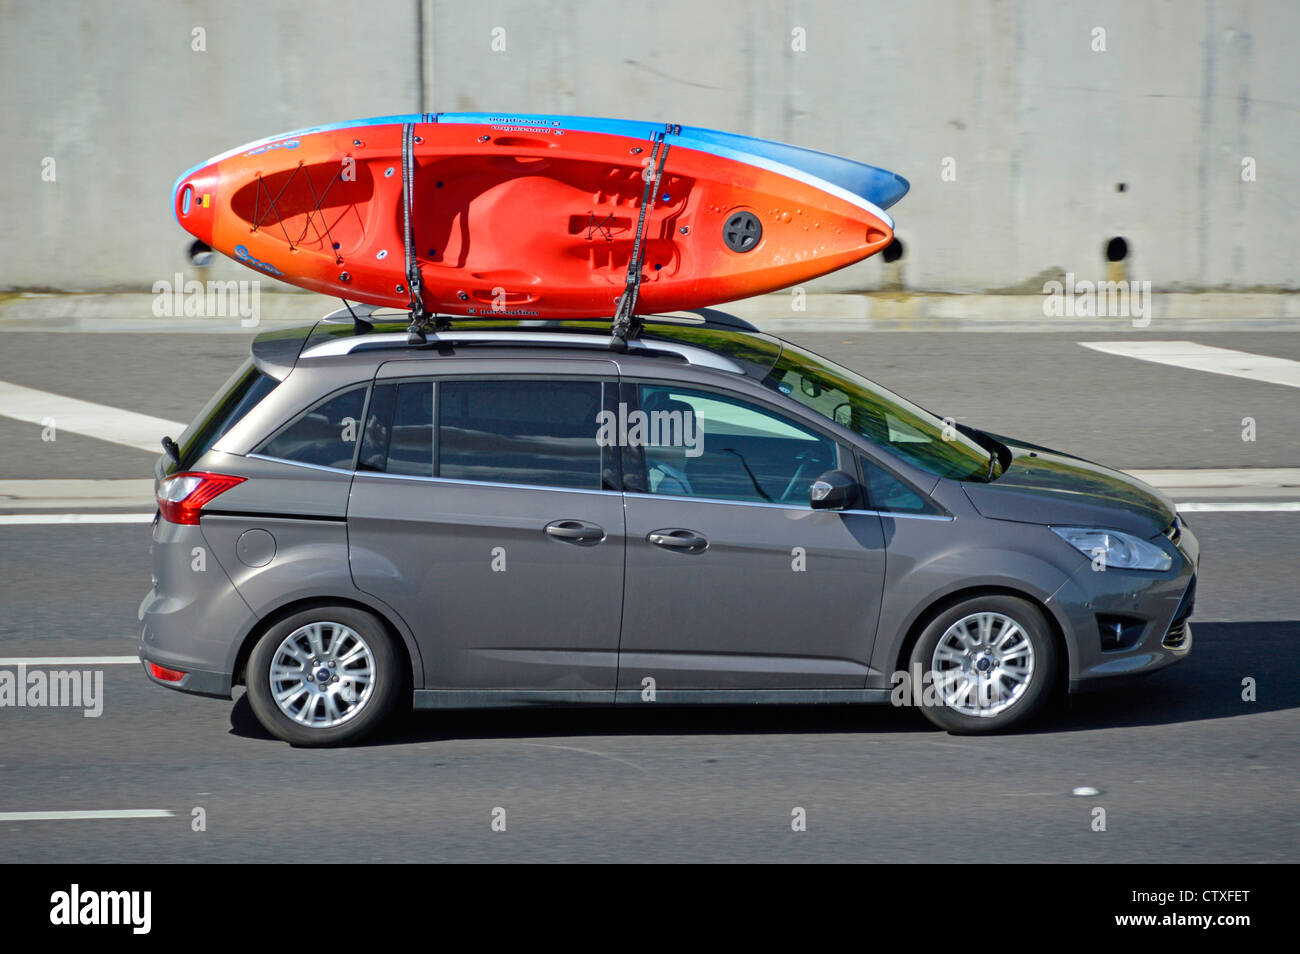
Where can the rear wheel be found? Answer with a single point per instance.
(988, 664)
(324, 676)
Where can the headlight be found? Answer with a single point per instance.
(1120, 550)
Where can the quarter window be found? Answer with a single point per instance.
(888, 494)
(325, 434)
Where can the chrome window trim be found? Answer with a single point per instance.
(484, 483)
(578, 490)
(779, 506)
(299, 463)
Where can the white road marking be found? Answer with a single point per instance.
(37, 519)
(1227, 506)
(68, 494)
(88, 815)
(74, 416)
(1199, 357)
(1231, 478)
(68, 660)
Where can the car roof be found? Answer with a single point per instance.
(709, 339)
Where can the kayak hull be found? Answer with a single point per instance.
(519, 218)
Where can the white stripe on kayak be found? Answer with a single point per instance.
(94, 815)
(1199, 357)
(1279, 506)
(86, 418)
(46, 519)
(69, 660)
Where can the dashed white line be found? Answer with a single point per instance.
(69, 660)
(44, 519)
(93, 815)
(1227, 506)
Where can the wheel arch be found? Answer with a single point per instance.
(407, 655)
(951, 599)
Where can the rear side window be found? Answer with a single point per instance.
(325, 434)
(520, 431)
(242, 392)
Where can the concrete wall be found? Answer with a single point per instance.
(1041, 128)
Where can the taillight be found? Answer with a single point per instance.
(182, 496)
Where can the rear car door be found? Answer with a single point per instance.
(486, 513)
(733, 580)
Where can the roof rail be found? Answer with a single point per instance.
(363, 318)
(692, 354)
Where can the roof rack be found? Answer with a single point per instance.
(363, 319)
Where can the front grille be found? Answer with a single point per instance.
(1176, 634)
(1174, 531)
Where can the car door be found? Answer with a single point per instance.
(486, 513)
(733, 580)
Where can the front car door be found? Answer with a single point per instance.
(486, 514)
(733, 580)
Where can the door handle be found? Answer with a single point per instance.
(678, 539)
(575, 531)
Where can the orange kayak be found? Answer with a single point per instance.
(525, 219)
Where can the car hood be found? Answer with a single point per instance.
(1046, 486)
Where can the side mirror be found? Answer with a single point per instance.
(834, 490)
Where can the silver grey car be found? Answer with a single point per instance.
(516, 514)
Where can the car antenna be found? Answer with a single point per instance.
(626, 324)
(359, 325)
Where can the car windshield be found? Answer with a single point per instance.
(879, 415)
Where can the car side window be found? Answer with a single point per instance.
(325, 434)
(705, 444)
(523, 431)
(888, 494)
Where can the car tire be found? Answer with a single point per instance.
(349, 683)
(996, 669)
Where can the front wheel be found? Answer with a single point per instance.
(988, 664)
(324, 676)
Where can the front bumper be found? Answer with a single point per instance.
(1155, 607)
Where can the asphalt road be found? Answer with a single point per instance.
(1186, 770)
